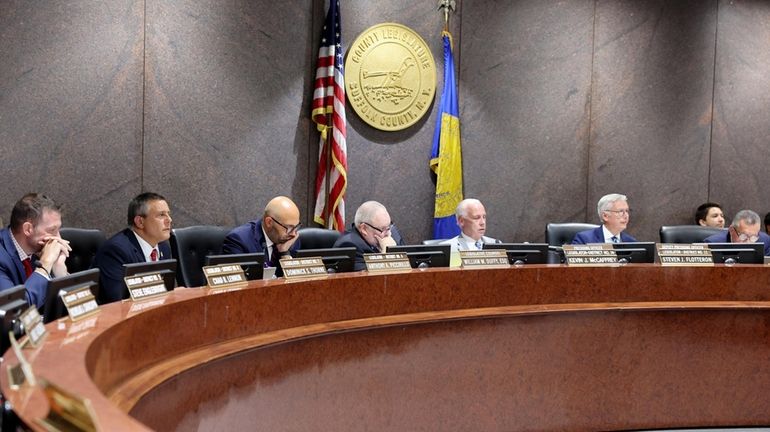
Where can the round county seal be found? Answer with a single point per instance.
(390, 76)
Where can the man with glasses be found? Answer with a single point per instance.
(614, 214)
(275, 234)
(472, 220)
(144, 240)
(745, 228)
(372, 232)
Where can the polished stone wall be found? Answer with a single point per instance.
(207, 102)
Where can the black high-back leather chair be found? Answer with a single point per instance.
(687, 233)
(84, 243)
(190, 246)
(317, 238)
(558, 234)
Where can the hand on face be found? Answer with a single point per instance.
(385, 241)
(286, 242)
(55, 251)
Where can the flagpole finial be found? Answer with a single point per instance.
(447, 5)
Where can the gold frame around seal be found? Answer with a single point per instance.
(390, 76)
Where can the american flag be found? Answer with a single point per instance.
(329, 116)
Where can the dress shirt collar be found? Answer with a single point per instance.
(470, 244)
(146, 248)
(22, 255)
(608, 235)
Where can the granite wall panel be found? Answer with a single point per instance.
(393, 167)
(740, 148)
(226, 118)
(561, 101)
(651, 109)
(70, 106)
(524, 96)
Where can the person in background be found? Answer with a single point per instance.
(745, 228)
(472, 220)
(614, 213)
(275, 234)
(372, 232)
(31, 250)
(710, 214)
(144, 240)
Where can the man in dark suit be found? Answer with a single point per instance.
(275, 234)
(372, 232)
(614, 213)
(31, 250)
(745, 228)
(145, 240)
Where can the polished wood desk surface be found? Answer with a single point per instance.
(124, 358)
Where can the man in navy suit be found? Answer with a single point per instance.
(145, 240)
(275, 234)
(31, 250)
(745, 228)
(372, 232)
(614, 213)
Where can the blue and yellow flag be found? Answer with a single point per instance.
(446, 157)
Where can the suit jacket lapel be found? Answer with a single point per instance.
(11, 249)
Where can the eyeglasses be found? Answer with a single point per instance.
(746, 238)
(380, 230)
(289, 229)
(624, 211)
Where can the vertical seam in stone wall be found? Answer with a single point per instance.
(144, 85)
(713, 103)
(590, 113)
(314, 29)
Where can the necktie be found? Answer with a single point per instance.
(479, 244)
(614, 239)
(27, 266)
(154, 255)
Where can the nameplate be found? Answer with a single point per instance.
(394, 262)
(21, 373)
(33, 325)
(591, 255)
(80, 302)
(490, 258)
(145, 286)
(303, 268)
(66, 412)
(684, 255)
(224, 276)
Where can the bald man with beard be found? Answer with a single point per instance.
(275, 234)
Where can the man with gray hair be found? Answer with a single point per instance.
(472, 220)
(372, 232)
(614, 214)
(745, 228)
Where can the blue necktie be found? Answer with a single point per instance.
(614, 239)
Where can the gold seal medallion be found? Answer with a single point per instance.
(390, 76)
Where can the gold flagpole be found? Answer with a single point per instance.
(447, 5)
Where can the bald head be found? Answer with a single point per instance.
(281, 219)
(283, 209)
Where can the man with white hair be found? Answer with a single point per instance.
(614, 214)
(372, 232)
(745, 228)
(472, 219)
